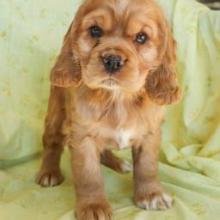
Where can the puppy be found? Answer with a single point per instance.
(111, 81)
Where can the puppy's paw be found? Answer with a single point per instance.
(126, 167)
(49, 178)
(160, 201)
(97, 210)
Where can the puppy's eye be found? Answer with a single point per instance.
(141, 38)
(95, 31)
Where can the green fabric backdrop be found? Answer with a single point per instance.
(31, 34)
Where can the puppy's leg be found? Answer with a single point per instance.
(53, 140)
(110, 160)
(91, 201)
(148, 192)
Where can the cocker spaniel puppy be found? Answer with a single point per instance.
(111, 81)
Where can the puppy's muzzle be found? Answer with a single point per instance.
(112, 63)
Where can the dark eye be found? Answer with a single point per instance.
(141, 38)
(95, 31)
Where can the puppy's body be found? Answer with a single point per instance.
(115, 73)
(116, 121)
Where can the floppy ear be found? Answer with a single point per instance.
(67, 71)
(161, 84)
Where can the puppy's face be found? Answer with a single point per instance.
(118, 42)
(122, 45)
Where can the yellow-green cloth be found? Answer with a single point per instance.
(31, 34)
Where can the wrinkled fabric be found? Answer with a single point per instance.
(31, 35)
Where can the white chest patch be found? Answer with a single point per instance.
(124, 137)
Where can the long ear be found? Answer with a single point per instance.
(161, 84)
(67, 71)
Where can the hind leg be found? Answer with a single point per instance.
(53, 140)
(115, 163)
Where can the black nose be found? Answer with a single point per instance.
(112, 63)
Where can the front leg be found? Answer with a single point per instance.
(148, 192)
(91, 201)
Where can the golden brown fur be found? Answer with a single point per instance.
(93, 111)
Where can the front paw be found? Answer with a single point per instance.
(49, 178)
(155, 201)
(98, 209)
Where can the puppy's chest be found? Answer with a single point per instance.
(124, 137)
(119, 137)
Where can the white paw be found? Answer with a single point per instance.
(126, 167)
(49, 179)
(157, 202)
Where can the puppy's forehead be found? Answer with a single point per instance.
(123, 7)
(120, 14)
(119, 7)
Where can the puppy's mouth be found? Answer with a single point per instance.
(110, 83)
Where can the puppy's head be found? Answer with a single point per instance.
(123, 45)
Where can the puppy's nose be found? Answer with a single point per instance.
(112, 63)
